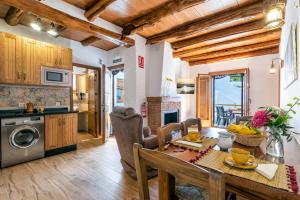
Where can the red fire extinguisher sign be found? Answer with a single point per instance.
(141, 62)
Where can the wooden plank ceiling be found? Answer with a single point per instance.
(200, 31)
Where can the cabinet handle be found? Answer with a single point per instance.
(18, 75)
(59, 122)
(24, 76)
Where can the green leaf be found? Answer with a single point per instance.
(289, 104)
(295, 98)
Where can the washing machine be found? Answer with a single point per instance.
(22, 140)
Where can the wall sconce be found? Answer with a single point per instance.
(52, 30)
(273, 68)
(275, 15)
(37, 24)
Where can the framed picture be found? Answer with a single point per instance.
(185, 86)
(290, 58)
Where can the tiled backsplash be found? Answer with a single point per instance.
(12, 95)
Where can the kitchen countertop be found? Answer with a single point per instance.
(21, 113)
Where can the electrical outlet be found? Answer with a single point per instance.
(21, 105)
(57, 103)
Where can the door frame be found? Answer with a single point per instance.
(100, 116)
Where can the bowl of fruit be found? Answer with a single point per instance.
(247, 135)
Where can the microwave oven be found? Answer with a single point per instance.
(56, 77)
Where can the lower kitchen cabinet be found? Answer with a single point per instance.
(60, 131)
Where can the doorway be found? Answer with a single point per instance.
(222, 96)
(228, 98)
(86, 90)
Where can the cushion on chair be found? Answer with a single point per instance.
(125, 111)
(151, 142)
(189, 192)
(146, 131)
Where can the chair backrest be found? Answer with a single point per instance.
(127, 126)
(164, 133)
(241, 119)
(191, 122)
(220, 111)
(186, 172)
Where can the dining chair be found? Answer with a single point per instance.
(164, 133)
(223, 116)
(212, 182)
(189, 123)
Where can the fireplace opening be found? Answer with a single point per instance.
(171, 117)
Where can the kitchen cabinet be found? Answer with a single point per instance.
(31, 62)
(10, 58)
(21, 59)
(60, 131)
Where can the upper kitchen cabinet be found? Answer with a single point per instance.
(31, 61)
(48, 54)
(56, 56)
(10, 58)
(64, 57)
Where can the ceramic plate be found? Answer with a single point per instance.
(251, 164)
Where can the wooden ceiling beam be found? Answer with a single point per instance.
(234, 50)
(89, 41)
(157, 13)
(273, 50)
(217, 21)
(13, 16)
(253, 39)
(225, 34)
(69, 21)
(94, 11)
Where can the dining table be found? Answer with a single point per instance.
(250, 188)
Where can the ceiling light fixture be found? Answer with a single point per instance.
(275, 15)
(52, 30)
(37, 25)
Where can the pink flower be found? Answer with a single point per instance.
(260, 118)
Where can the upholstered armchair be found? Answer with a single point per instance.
(127, 126)
(191, 122)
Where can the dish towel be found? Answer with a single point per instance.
(267, 170)
(197, 145)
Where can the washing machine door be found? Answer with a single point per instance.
(24, 137)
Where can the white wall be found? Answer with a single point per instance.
(264, 87)
(292, 17)
(83, 55)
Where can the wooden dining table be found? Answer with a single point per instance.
(242, 186)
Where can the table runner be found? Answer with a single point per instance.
(215, 160)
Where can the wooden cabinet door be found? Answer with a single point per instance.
(48, 54)
(31, 61)
(10, 58)
(64, 57)
(53, 132)
(69, 129)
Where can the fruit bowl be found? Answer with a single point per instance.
(250, 140)
(246, 136)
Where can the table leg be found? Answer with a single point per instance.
(166, 185)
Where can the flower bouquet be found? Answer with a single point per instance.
(275, 121)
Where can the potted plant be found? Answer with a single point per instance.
(275, 121)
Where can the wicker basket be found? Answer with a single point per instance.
(250, 140)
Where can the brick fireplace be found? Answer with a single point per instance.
(163, 110)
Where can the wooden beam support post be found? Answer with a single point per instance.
(154, 15)
(69, 21)
(13, 16)
(253, 39)
(273, 50)
(224, 34)
(218, 21)
(235, 50)
(89, 41)
(92, 13)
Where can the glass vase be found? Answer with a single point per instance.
(275, 143)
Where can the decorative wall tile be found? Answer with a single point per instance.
(12, 95)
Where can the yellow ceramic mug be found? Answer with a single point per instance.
(193, 136)
(240, 156)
